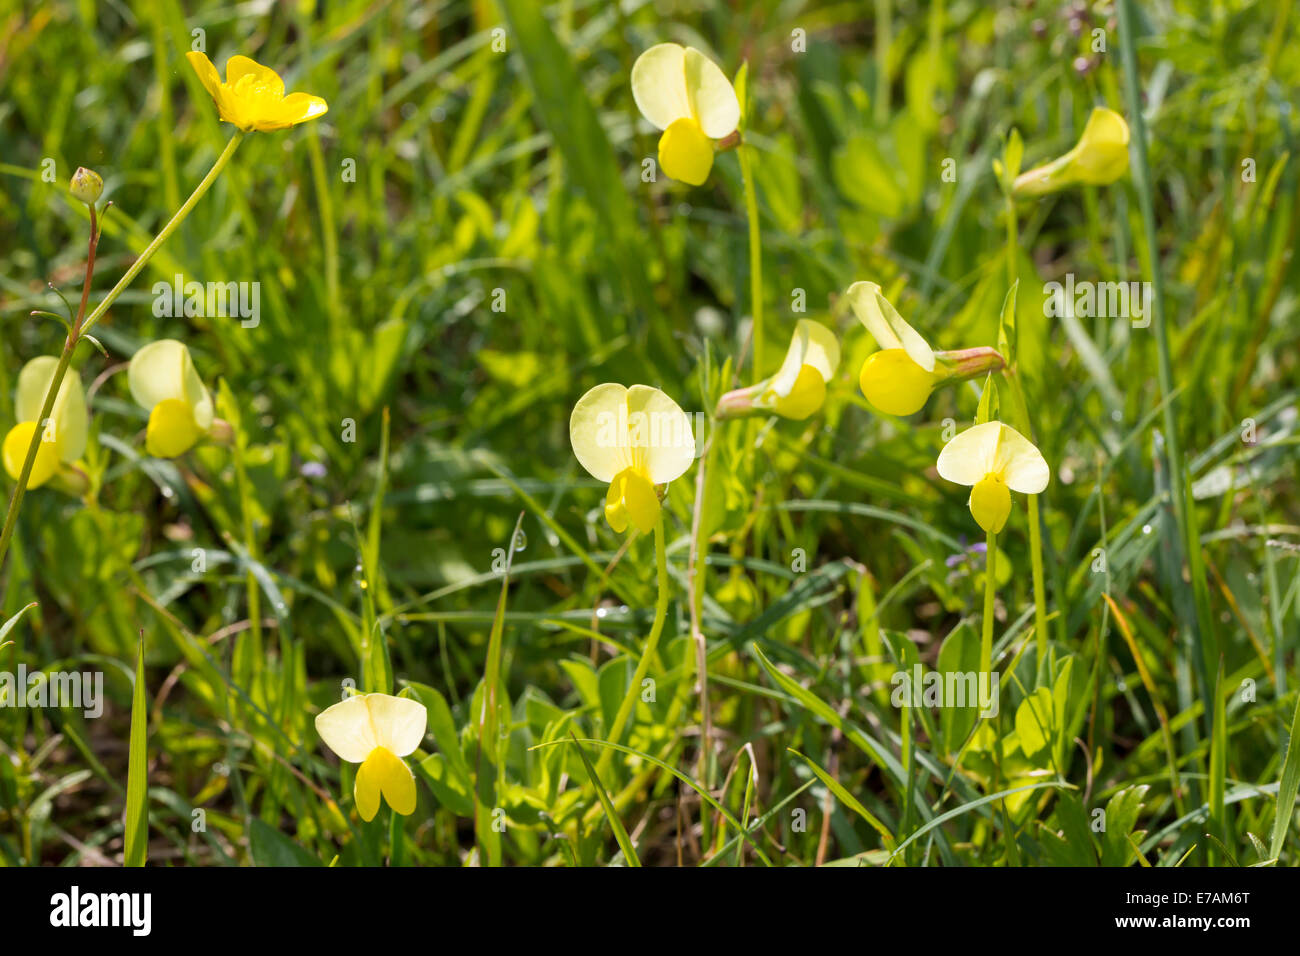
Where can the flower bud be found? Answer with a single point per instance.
(86, 185)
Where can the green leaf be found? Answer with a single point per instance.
(9, 624)
(1117, 849)
(269, 847)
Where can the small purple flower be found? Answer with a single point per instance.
(312, 469)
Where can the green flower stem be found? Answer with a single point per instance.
(647, 655)
(167, 230)
(755, 258)
(80, 328)
(1022, 413)
(990, 591)
(695, 575)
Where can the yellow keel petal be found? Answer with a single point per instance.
(685, 153)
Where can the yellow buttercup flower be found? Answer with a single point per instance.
(376, 731)
(634, 438)
(252, 97)
(165, 383)
(63, 437)
(995, 460)
(899, 378)
(685, 94)
(798, 389)
(1098, 159)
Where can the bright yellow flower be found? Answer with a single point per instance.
(253, 95)
(995, 460)
(798, 389)
(634, 438)
(376, 731)
(63, 438)
(685, 94)
(1098, 159)
(165, 383)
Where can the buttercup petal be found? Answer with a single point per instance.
(399, 722)
(263, 77)
(298, 108)
(659, 85)
(346, 729)
(207, 74)
(712, 97)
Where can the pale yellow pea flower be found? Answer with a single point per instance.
(63, 437)
(798, 389)
(995, 460)
(899, 378)
(636, 439)
(684, 93)
(1098, 159)
(166, 384)
(252, 96)
(376, 731)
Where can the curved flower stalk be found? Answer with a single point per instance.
(252, 96)
(995, 460)
(1098, 159)
(251, 100)
(899, 378)
(685, 94)
(63, 438)
(166, 384)
(638, 439)
(376, 731)
(798, 389)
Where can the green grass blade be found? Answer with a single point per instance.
(137, 797)
(1287, 786)
(615, 824)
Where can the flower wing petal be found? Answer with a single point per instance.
(399, 722)
(659, 84)
(1021, 465)
(712, 97)
(71, 420)
(598, 431)
(971, 455)
(663, 430)
(346, 729)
